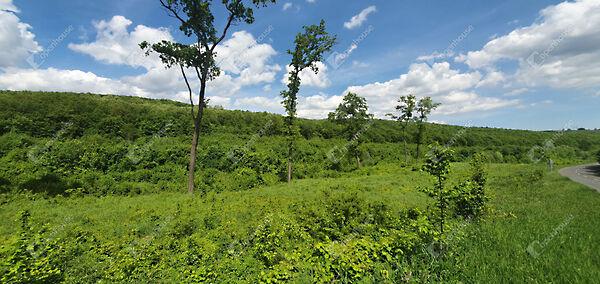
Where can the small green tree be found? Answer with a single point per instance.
(353, 113)
(406, 108)
(196, 20)
(437, 164)
(310, 46)
(424, 107)
(470, 197)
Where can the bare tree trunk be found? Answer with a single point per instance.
(358, 162)
(193, 154)
(420, 139)
(405, 144)
(290, 153)
(196, 136)
(289, 177)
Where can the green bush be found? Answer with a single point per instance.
(469, 196)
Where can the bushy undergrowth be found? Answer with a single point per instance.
(69, 153)
(59, 143)
(355, 231)
(339, 236)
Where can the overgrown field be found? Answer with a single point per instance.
(91, 190)
(370, 226)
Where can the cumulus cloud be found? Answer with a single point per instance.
(52, 79)
(8, 6)
(309, 78)
(318, 106)
(560, 49)
(114, 44)
(314, 106)
(450, 87)
(243, 60)
(243, 56)
(271, 104)
(17, 42)
(358, 20)
(492, 78)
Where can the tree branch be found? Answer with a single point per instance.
(189, 89)
(173, 11)
(227, 26)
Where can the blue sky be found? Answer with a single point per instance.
(511, 64)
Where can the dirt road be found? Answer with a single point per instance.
(585, 174)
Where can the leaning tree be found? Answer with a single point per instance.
(196, 21)
(310, 46)
(353, 114)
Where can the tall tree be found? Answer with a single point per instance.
(310, 46)
(353, 113)
(196, 21)
(406, 108)
(424, 108)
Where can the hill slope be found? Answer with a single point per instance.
(54, 142)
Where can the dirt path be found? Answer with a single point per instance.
(585, 174)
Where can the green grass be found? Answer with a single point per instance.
(555, 212)
(523, 210)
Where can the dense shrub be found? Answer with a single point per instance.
(470, 197)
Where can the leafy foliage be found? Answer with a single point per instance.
(36, 258)
(424, 107)
(470, 198)
(406, 108)
(353, 114)
(54, 143)
(437, 164)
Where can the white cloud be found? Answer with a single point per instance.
(517, 92)
(357, 20)
(17, 42)
(244, 62)
(492, 78)
(261, 103)
(315, 106)
(114, 44)
(463, 102)
(443, 84)
(287, 6)
(52, 79)
(310, 78)
(242, 56)
(318, 106)
(7, 5)
(560, 49)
